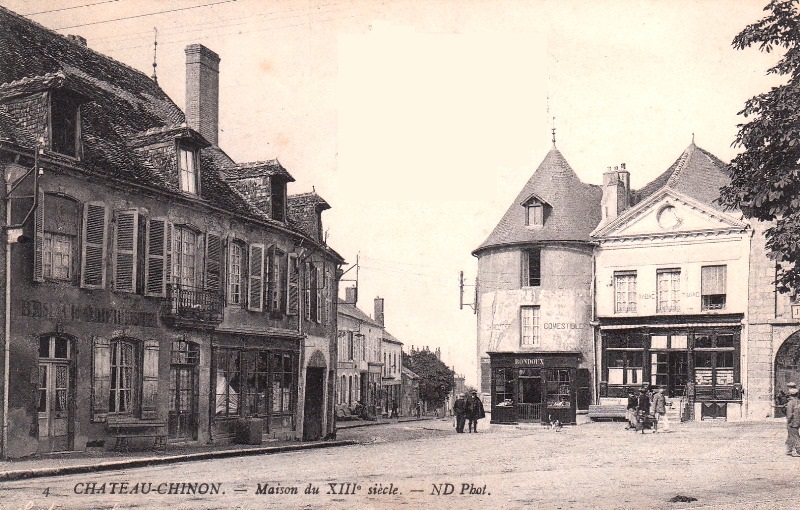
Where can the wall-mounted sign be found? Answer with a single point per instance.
(529, 361)
(795, 311)
(72, 312)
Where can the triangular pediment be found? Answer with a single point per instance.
(669, 213)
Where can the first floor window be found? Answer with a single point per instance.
(713, 282)
(669, 290)
(57, 256)
(625, 292)
(529, 317)
(625, 366)
(235, 265)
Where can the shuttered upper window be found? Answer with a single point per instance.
(293, 286)
(158, 263)
(277, 280)
(126, 245)
(237, 274)
(255, 294)
(93, 274)
(713, 287)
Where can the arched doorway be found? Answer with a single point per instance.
(787, 369)
(313, 409)
(56, 394)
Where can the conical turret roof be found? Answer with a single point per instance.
(572, 208)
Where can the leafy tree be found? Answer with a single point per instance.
(765, 177)
(435, 379)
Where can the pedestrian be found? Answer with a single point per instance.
(460, 410)
(475, 411)
(630, 410)
(394, 410)
(642, 408)
(660, 410)
(793, 424)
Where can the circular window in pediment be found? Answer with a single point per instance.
(668, 218)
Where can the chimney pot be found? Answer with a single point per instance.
(202, 91)
(622, 165)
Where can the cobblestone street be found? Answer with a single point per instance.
(721, 465)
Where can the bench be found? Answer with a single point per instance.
(607, 411)
(122, 429)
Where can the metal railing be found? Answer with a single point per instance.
(192, 303)
(529, 412)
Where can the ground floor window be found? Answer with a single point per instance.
(254, 382)
(703, 362)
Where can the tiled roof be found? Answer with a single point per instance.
(390, 338)
(123, 112)
(258, 169)
(409, 373)
(572, 207)
(696, 173)
(354, 312)
(303, 213)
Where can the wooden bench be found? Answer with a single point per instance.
(122, 429)
(607, 411)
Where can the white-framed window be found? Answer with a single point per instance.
(529, 325)
(184, 263)
(236, 258)
(625, 292)
(713, 283)
(668, 282)
(187, 170)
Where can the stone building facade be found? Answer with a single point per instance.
(150, 298)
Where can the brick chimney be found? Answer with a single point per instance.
(351, 295)
(379, 311)
(202, 91)
(616, 192)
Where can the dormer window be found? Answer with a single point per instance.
(65, 125)
(535, 215)
(278, 199)
(187, 170)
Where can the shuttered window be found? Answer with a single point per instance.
(93, 258)
(255, 296)
(121, 367)
(313, 293)
(320, 294)
(125, 250)
(213, 261)
(38, 227)
(293, 282)
(101, 377)
(157, 264)
(150, 380)
(713, 287)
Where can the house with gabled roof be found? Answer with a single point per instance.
(672, 292)
(534, 299)
(156, 291)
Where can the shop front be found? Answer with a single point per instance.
(697, 365)
(534, 387)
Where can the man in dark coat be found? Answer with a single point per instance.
(474, 411)
(630, 410)
(460, 410)
(642, 408)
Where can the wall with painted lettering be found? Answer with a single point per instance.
(563, 303)
(687, 254)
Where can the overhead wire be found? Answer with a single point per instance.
(177, 9)
(69, 8)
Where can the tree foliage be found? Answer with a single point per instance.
(435, 379)
(765, 177)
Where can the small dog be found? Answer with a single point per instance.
(555, 424)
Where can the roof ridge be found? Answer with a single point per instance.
(85, 47)
(30, 79)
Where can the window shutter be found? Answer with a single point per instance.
(38, 226)
(320, 293)
(255, 289)
(125, 247)
(94, 246)
(292, 286)
(213, 261)
(307, 290)
(156, 249)
(327, 307)
(271, 280)
(713, 280)
(150, 380)
(101, 381)
(169, 235)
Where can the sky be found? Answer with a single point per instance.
(419, 121)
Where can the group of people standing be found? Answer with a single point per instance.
(649, 404)
(468, 409)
